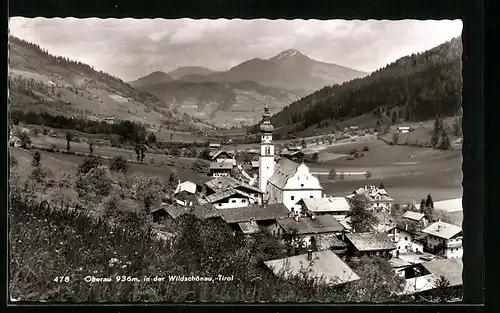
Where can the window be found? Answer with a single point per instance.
(243, 200)
(292, 198)
(220, 204)
(301, 185)
(406, 238)
(233, 201)
(310, 197)
(268, 151)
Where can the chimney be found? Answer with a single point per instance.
(309, 255)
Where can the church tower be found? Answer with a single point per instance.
(266, 159)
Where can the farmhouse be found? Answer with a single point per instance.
(338, 207)
(444, 239)
(369, 244)
(329, 242)
(416, 217)
(185, 198)
(231, 198)
(224, 168)
(323, 266)
(377, 199)
(254, 219)
(425, 276)
(296, 156)
(187, 186)
(404, 240)
(221, 184)
(221, 155)
(214, 146)
(302, 229)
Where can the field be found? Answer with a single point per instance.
(59, 162)
(408, 173)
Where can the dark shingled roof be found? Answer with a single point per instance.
(371, 241)
(307, 225)
(225, 183)
(255, 213)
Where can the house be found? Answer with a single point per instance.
(404, 240)
(377, 199)
(444, 239)
(186, 198)
(369, 244)
(416, 217)
(428, 274)
(404, 129)
(303, 229)
(231, 198)
(255, 165)
(220, 184)
(400, 266)
(254, 219)
(290, 183)
(221, 155)
(224, 168)
(338, 207)
(329, 242)
(187, 186)
(296, 156)
(322, 266)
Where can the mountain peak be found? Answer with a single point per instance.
(287, 54)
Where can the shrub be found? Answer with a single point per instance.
(119, 164)
(88, 164)
(368, 174)
(353, 151)
(366, 148)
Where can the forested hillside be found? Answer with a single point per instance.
(413, 88)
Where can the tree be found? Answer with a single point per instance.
(25, 140)
(36, 158)
(368, 174)
(205, 154)
(175, 151)
(314, 158)
(428, 202)
(91, 147)
(69, 137)
(119, 164)
(173, 180)
(378, 281)
(149, 190)
(395, 138)
(151, 138)
(445, 143)
(423, 205)
(12, 160)
(361, 219)
(436, 132)
(192, 152)
(95, 184)
(332, 174)
(394, 118)
(381, 186)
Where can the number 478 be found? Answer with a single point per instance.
(61, 279)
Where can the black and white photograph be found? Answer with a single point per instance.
(235, 160)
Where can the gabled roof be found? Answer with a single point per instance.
(451, 205)
(226, 194)
(255, 213)
(283, 171)
(218, 153)
(325, 266)
(225, 183)
(223, 165)
(451, 269)
(249, 228)
(201, 211)
(442, 230)
(306, 225)
(331, 204)
(324, 242)
(371, 241)
(413, 215)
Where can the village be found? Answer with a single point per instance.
(286, 199)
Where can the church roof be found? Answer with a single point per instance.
(283, 171)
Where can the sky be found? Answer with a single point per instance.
(132, 48)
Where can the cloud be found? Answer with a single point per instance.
(130, 48)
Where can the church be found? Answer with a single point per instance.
(286, 182)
